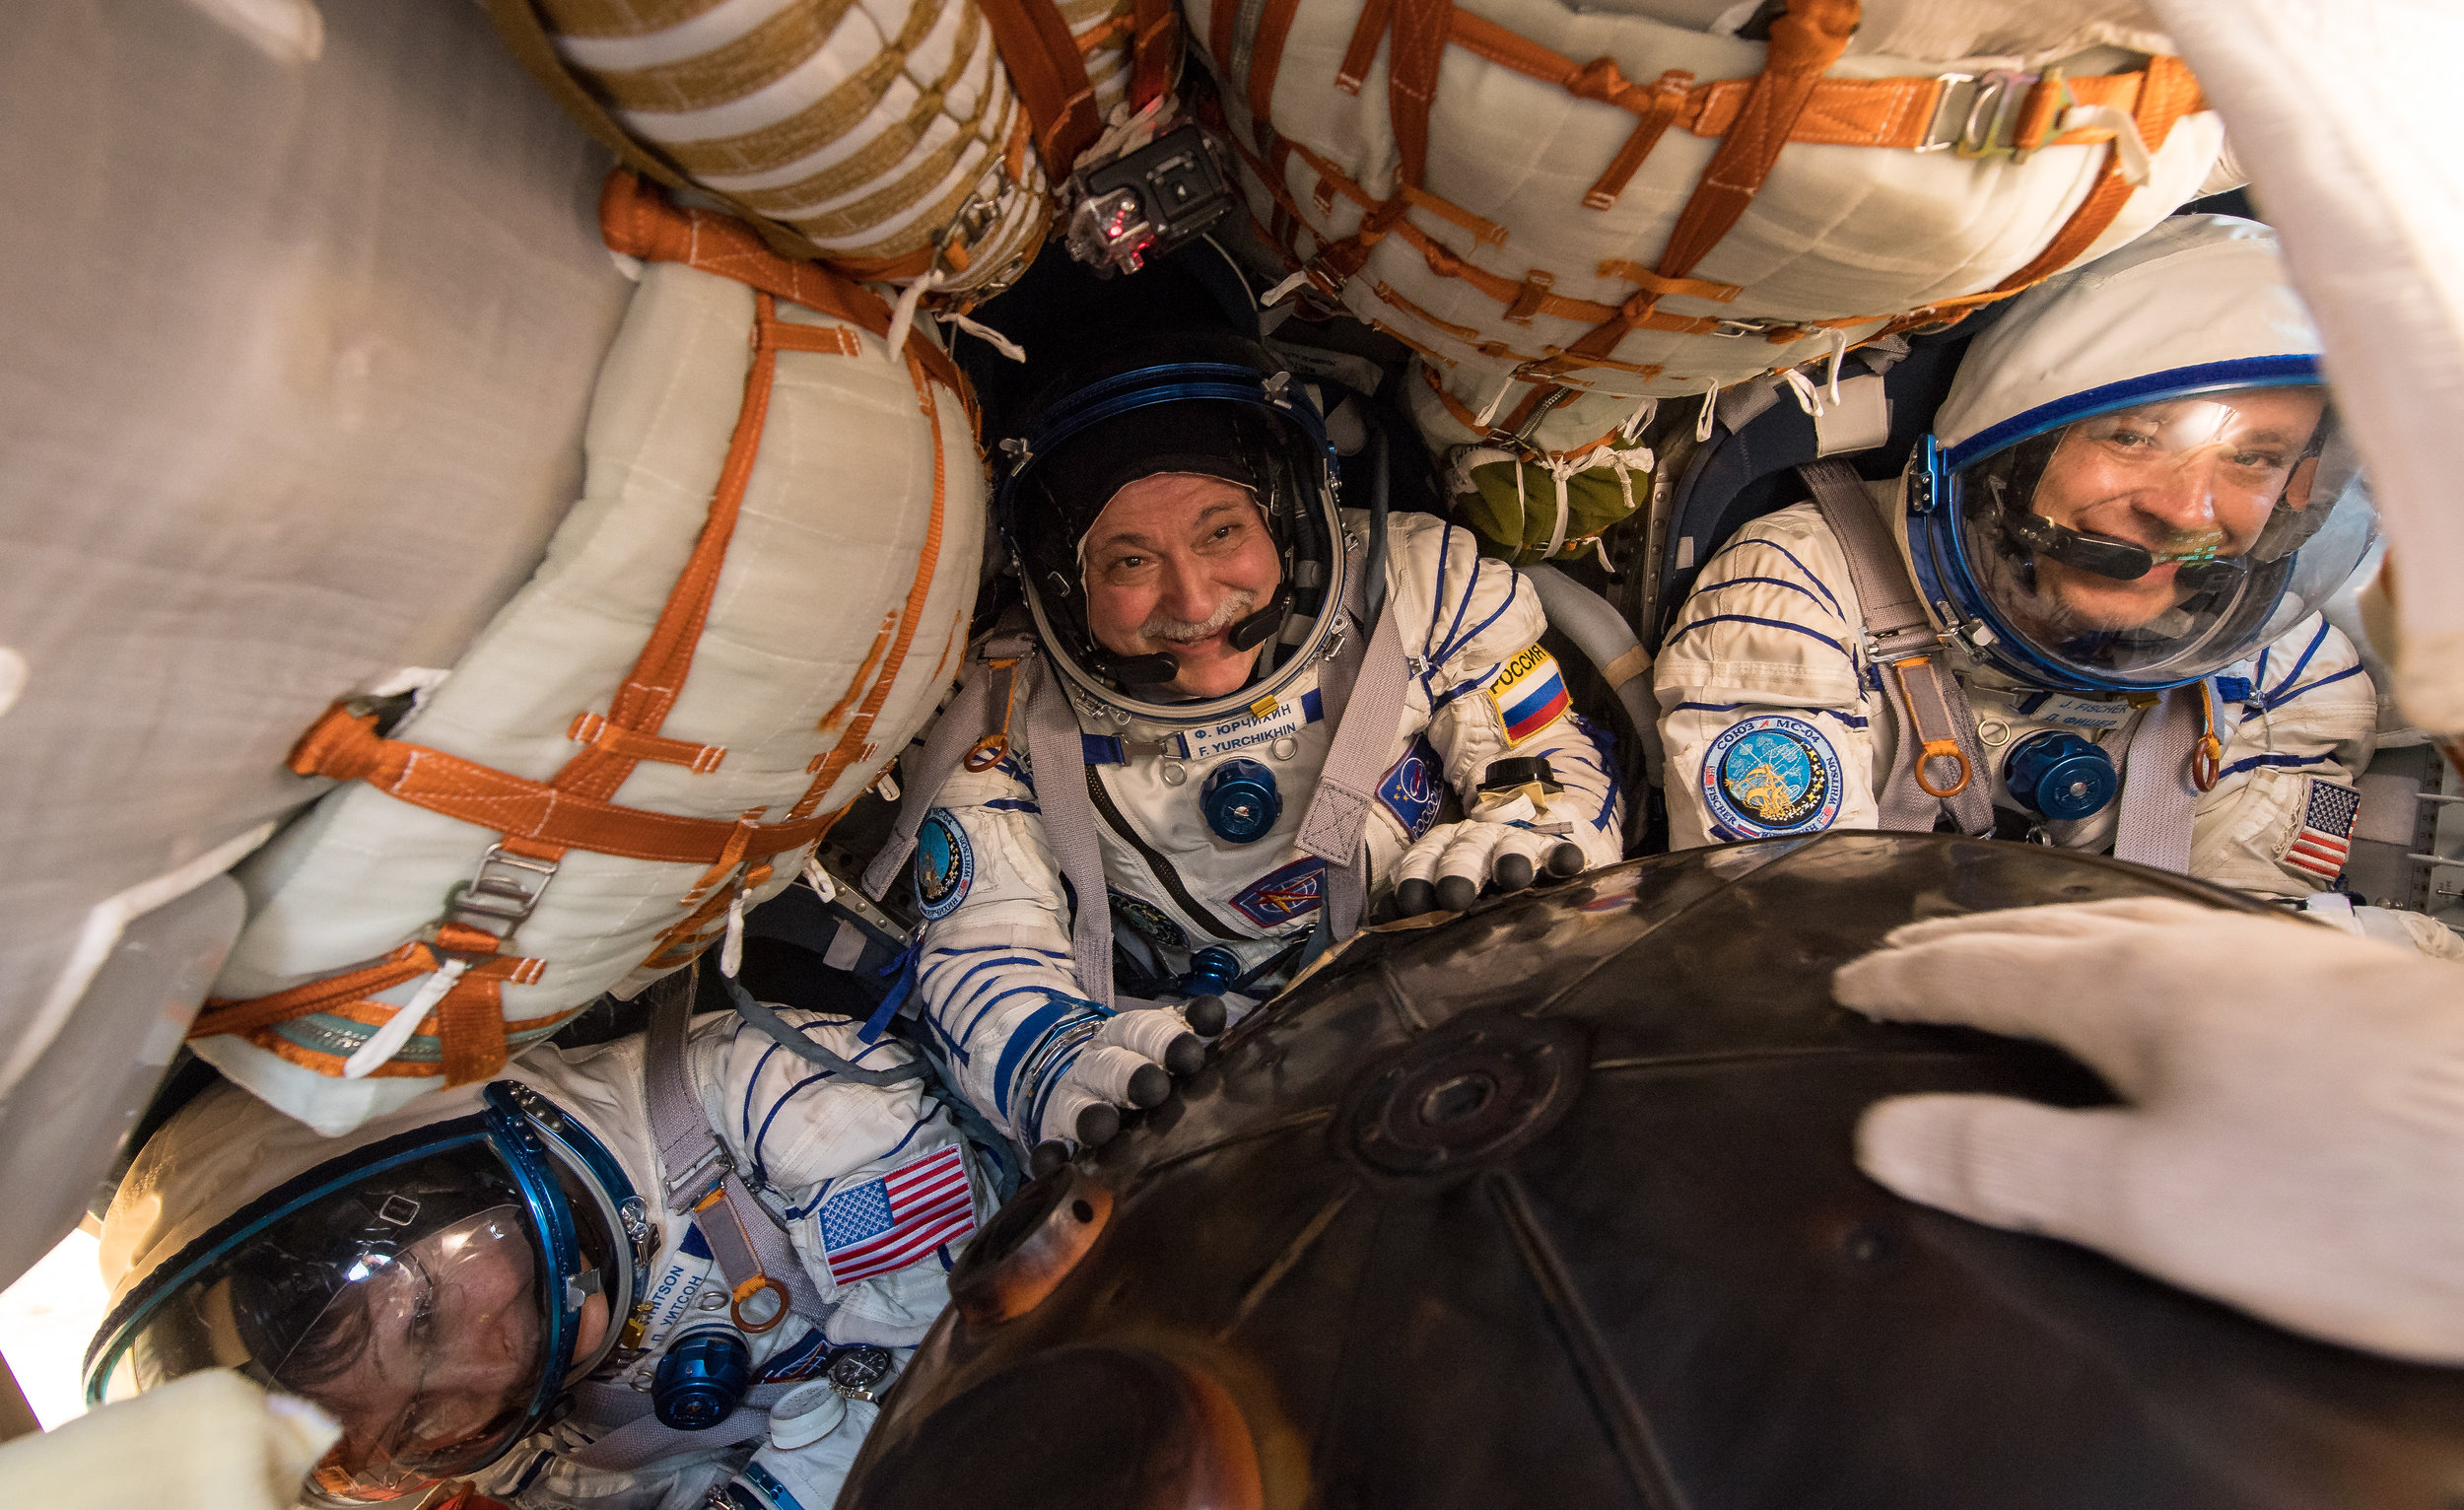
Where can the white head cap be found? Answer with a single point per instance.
(2197, 290)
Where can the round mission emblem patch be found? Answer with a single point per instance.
(944, 865)
(1772, 775)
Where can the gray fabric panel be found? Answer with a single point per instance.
(2158, 795)
(298, 354)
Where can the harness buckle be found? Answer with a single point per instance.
(502, 893)
(1978, 115)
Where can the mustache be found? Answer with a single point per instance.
(1235, 607)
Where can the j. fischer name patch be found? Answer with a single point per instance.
(1771, 775)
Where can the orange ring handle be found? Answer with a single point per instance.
(1943, 749)
(752, 1287)
(987, 753)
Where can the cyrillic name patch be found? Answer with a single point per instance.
(1413, 788)
(1528, 694)
(945, 864)
(1771, 775)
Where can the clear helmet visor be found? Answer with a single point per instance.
(2154, 542)
(413, 1305)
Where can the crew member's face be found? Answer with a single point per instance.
(1172, 564)
(454, 1348)
(2189, 479)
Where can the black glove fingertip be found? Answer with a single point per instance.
(1097, 1124)
(1456, 893)
(1149, 1085)
(1415, 897)
(1514, 872)
(1047, 1156)
(1204, 1015)
(1567, 860)
(1186, 1055)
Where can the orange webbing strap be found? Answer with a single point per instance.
(1837, 112)
(1265, 55)
(1154, 50)
(468, 1022)
(346, 745)
(1375, 17)
(1804, 42)
(1668, 98)
(855, 744)
(2168, 94)
(1910, 672)
(1050, 76)
(641, 222)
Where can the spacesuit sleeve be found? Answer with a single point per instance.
(800, 1133)
(2281, 815)
(1473, 625)
(1764, 657)
(994, 966)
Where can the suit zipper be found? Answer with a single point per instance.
(1155, 861)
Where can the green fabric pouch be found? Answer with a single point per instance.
(1528, 510)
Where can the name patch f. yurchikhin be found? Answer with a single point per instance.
(1772, 775)
(945, 866)
(1528, 694)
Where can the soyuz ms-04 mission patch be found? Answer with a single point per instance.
(1413, 788)
(945, 866)
(1528, 693)
(1772, 775)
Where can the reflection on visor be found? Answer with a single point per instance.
(2163, 539)
(409, 1304)
(426, 1355)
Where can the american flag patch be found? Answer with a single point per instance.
(888, 1224)
(2325, 839)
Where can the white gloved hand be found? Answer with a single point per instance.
(1446, 868)
(2294, 1137)
(210, 1441)
(1131, 1063)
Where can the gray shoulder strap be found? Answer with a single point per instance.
(751, 1248)
(1362, 695)
(2158, 794)
(631, 1436)
(985, 711)
(1056, 749)
(1937, 762)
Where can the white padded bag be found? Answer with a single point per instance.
(838, 614)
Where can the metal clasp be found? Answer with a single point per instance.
(1978, 115)
(502, 893)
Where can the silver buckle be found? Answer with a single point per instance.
(1978, 115)
(502, 893)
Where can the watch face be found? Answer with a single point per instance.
(860, 1368)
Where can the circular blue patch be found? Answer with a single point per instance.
(945, 864)
(1771, 775)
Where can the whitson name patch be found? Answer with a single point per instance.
(1772, 775)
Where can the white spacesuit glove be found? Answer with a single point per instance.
(210, 1441)
(2293, 1138)
(1129, 1063)
(815, 1433)
(1447, 866)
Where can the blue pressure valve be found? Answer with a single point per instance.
(1239, 802)
(1213, 970)
(2060, 776)
(701, 1379)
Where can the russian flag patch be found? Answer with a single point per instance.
(1528, 694)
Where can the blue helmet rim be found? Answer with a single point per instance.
(2292, 371)
(519, 1143)
(1937, 545)
(1148, 386)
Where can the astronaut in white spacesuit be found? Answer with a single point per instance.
(1236, 724)
(2137, 483)
(545, 1289)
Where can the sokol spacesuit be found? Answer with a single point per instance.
(499, 1285)
(1238, 713)
(2136, 484)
